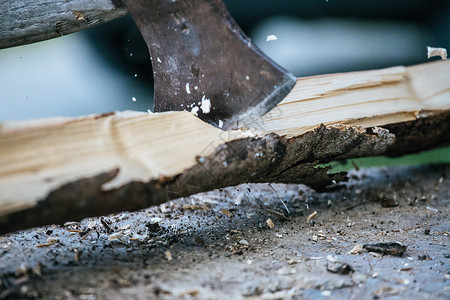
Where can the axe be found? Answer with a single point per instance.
(202, 61)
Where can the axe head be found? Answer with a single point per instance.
(204, 63)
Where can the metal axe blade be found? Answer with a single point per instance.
(204, 63)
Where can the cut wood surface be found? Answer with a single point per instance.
(60, 169)
(369, 98)
(28, 21)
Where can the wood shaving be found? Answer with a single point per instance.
(168, 255)
(44, 245)
(74, 230)
(432, 51)
(271, 37)
(270, 223)
(70, 224)
(206, 105)
(356, 250)
(92, 224)
(115, 236)
(194, 207)
(311, 216)
(226, 212)
(125, 227)
(192, 293)
(432, 209)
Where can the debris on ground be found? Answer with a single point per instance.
(424, 256)
(168, 255)
(387, 201)
(189, 248)
(227, 212)
(357, 249)
(270, 223)
(311, 216)
(395, 249)
(339, 268)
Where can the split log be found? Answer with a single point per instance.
(61, 169)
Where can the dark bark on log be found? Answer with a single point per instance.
(269, 159)
(419, 135)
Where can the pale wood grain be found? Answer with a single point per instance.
(367, 98)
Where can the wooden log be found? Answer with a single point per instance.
(29, 21)
(61, 169)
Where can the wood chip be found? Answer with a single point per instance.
(192, 293)
(311, 216)
(115, 236)
(432, 209)
(388, 291)
(168, 255)
(339, 268)
(74, 230)
(70, 224)
(226, 212)
(194, 207)
(356, 250)
(50, 242)
(270, 223)
(44, 245)
(125, 227)
(432, 51)
(271, 37)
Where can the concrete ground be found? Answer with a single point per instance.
(222, 245)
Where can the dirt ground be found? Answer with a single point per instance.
(219, 245)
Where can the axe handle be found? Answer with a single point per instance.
(28, 21)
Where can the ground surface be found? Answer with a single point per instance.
(218, 245)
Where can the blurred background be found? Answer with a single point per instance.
(107, 68)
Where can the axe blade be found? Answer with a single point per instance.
(204, 63)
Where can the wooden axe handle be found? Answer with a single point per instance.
(28, 21)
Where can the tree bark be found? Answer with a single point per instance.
(56, 170)
(29, 21)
